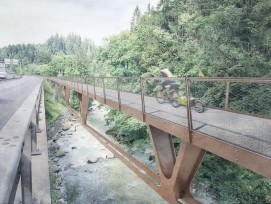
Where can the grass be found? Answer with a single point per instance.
(71, 192)
(53, 188)
(53, 108)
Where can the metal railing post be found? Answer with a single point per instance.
(104, 90)
(227, 95)
(142, 87)
(86, 81)
(94, 88)
(78, 85)
(118, 89)
(82, 84)
(188, 107)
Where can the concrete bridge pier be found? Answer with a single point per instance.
(176, 174)
(67, 95)
(58, 89)
(83, 104)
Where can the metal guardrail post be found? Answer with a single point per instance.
(15, 185)
(188, 107)
(34, 130)
(33, 133)
(26, 174)
(142, 87)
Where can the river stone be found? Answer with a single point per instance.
(61, 201)
(66, 126)
(57, 136)
(110, 156)
(54, 147)
(54, 168)
(92, 160)
(74, 129)
(151, 157)
(49, 142)
(60, 153)
(58, 195)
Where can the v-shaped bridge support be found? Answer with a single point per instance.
(176, 174)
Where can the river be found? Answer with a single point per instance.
(91, 174)
(143, 152)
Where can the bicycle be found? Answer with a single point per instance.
(173, 97)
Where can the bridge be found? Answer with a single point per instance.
(240, 136)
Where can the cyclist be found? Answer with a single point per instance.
(164, 72)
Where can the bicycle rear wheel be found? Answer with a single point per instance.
(160, 98)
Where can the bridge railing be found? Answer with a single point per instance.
(18, 142)
(247, 96)
(232, 107)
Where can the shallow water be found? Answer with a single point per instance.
(107, 180)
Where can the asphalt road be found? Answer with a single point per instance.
(13, 93)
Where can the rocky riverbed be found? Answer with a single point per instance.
(86, 172)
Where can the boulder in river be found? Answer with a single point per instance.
(60, 153)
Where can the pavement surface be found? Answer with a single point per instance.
(12, 95)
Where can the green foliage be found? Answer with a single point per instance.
(232, 183)
(229, 38)
(71, 192)
(52, 108)
(126, 129)
(53, 188)
(74, 103)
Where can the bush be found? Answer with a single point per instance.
(126, 129)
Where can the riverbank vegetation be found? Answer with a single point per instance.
(52, 108)
(207, 37)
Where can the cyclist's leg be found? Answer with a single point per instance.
(167, 83)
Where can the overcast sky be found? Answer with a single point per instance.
(34, 21)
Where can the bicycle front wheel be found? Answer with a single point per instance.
(175, 100)
(160, 98)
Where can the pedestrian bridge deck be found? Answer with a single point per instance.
(240, 138)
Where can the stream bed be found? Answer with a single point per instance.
(91, 174)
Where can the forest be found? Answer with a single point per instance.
(219, 38)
